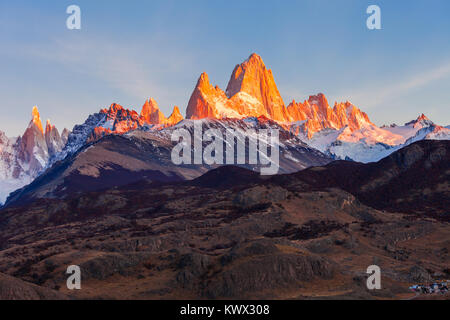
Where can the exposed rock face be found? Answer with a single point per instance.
(8, 161)
(54, 141)
(318, 115)
(118, 120)
(175, 117)
(263, 272)
(65, 136)
(259, 196)
(32, 146)
(115, 120)
(207, 101)
(36, 119)
(24, 158)
(16, 289)
(253, 78)
(251, 92)
(418, 274)
(421, 121)
(121, 120)
(109, 264)
(342, 131)
(151, 114)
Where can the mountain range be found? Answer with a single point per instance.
(24, 158)
(108, 198)
(315, 132)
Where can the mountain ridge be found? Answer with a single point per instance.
(24, 158)
(341, 132)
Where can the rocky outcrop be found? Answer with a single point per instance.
(65, 136)
(120, 120)
(109, 264)
(318, 115)
(22, 159)
(9, 168)
(259, 272)
(208, 102)
(175, 117)
(151, 114)
(255, 80)
(418, 274)
(15, 289)
(32, 146)
(251, 92)
(260, 195)
(55, 143)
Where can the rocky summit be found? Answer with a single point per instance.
(340, 132)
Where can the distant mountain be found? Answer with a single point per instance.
(116, 160)
(116, 120)
(371, 144)
(414, 179)
(24, 158)
(251, 92)
(340, 132)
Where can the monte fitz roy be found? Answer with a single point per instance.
(312, 132)
(241, 197)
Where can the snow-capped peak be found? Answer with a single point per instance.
(422, 121)
(24, 158)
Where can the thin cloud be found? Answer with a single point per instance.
(385, 93)
(138, 72)
(107, 63)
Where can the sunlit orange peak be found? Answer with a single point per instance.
(37, 119)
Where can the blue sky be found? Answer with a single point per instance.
(128, 51)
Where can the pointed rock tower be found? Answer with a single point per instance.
(420, 122)
(65, 136)
(32, 147)
(318, 115)
(53, 139)
(251, 92)
(255, 80)
(36, 119)
(207, 101)
(175, 117)
(151, 113)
